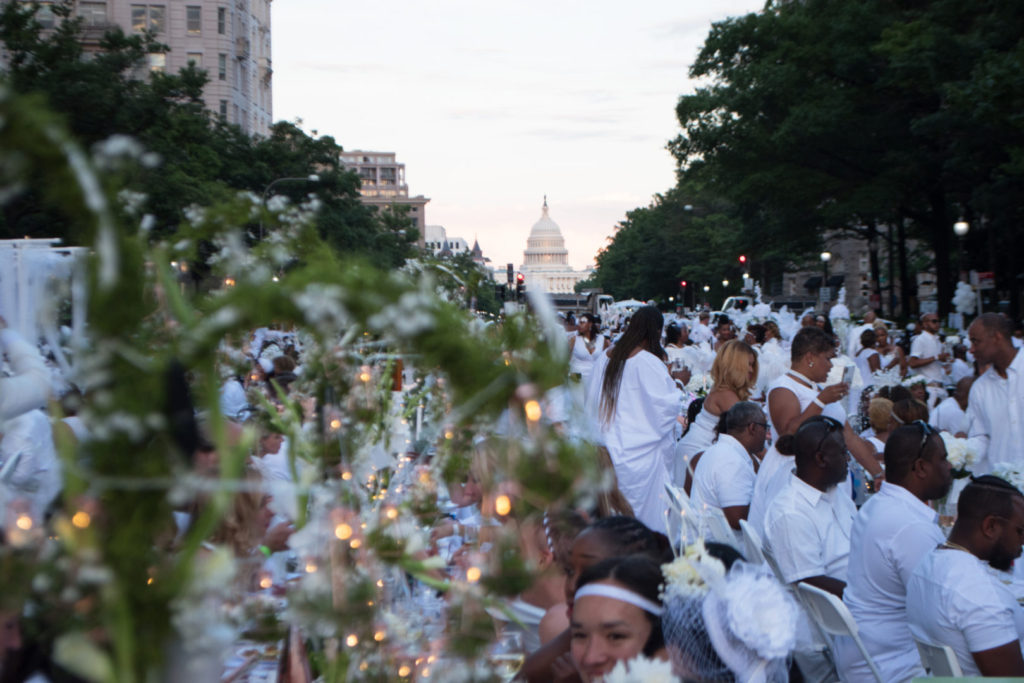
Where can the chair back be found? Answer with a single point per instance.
(689, 519)
(752, 544)
(718, 528)
(833, 617)
(939, 660)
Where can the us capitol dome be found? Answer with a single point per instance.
(546, 260)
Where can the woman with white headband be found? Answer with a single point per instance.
(616, 615)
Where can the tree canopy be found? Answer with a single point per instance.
(198, 158)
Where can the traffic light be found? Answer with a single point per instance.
(682, 284)
(743, 258)
(520, 286)
(509, 271)
(499, 292)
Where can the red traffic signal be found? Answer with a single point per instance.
(520, 278)
(682, 283)
(743, 258)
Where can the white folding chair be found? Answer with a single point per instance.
(690, 521)
(833, 617)
(718, 528)
(939, 660)
(752, 544)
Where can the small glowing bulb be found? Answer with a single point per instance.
(380, 583)
(425, 672)
(347, 476)
(355, 543)
(533, 411)
(266, 582)
(343, 532)
(431, 659)
(392, 513)
(310, 567)
(81, 519)
(352, 640)
(502, 505)
(149, 581)
(364, 374)
(335, 424)
(379, 636)
(404, 670)
(473, 574)
(449, 434)
(363, 666)
(24, 522)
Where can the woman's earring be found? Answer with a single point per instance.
(810, 364)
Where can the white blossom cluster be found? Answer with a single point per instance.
(410, 316)
(685, 576)
(641, 670)
(964, 299)
(959, 452)
(1010, 472)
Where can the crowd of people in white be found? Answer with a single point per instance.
(729, 450)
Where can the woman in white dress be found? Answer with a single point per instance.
(795, 397)
(734, 374)
(637, 404)
(867, 358)
(890, 354)
(585, 346)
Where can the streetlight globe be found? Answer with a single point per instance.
(961, 227)
(313, 178)
(725, 283)
(707, 288)
(826, 256)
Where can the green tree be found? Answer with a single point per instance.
(825, 115)
(199, 159)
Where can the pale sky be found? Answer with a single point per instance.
(493, 105)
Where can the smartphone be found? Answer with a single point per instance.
(848, 375)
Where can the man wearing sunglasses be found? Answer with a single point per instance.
(808, 523)
(890, 535)
(953, 596)
(995, 407)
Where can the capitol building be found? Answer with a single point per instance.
(546, 260)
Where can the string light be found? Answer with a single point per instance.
(533, 411)
(347, 476)
(24, 522)
(266, 582)
(335, 424)
(352, 640)
(363, 666)
(311, 567)
(391, 513)
(449, 434)
(364, 374)
(343, 532)
(502, 505)
(379, 636)
(81, 519)
(355, 543)
(404, 670)
(473, 574)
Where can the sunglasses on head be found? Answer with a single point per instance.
(832, 425)
(926, 431)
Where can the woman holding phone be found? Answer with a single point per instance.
(795, 397)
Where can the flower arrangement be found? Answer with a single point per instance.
(689, 574)
(1011, 473)
(960, 454)
(641, 670)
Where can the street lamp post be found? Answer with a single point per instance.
(960, 228)
(312, 178)
(825, 257)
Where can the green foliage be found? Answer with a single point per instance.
(829, 115)
(197, 159)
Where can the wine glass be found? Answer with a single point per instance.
(506, 655)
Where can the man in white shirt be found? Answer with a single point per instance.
(951, 415)
(995, 408)
(926, 354)
(890, 535)
(29, 386)
(808, 523)
(853, 339)
(724, 477)
(953, 596)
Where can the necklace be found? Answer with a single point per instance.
(802, 378)
(949, 545)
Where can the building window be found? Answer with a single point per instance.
(223, 109)
(194, 20)
(44, 14)
(222, 67)
(93, 13)
(149, 18)
(196, 59)
(157, 61)
(222, 20)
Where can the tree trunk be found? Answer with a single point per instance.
(939, 232)
(873, 261)
(905, 286)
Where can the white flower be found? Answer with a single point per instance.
(959, 452)
(641, 670)
(685, 576)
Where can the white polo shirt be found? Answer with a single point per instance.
(927, 345)
(954, 599)
(724, 476)
(995, 413)
(892, 532)
(808, 531)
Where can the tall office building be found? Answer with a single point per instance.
(383, 184)
(229, 39)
